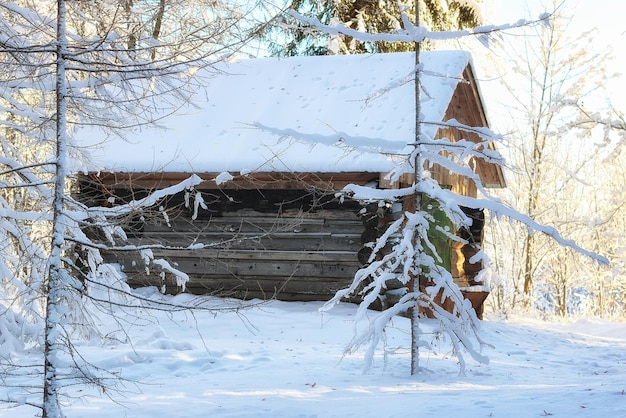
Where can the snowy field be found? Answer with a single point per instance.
(284, 359)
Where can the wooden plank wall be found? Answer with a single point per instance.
(289, 244)
(249, 254)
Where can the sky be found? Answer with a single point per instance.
(607, 16)
(586, 14)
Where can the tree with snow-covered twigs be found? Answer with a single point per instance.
(285, 39)
(556, 178)
(606, 213)
(67, 65)
(563, 148)
(405, 252)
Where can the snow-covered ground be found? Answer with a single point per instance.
(284, 359)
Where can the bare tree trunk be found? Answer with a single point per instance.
(563, 302)
(158, 21)
(132, 37)
(51, 407)
(528, 265)
(415, 329)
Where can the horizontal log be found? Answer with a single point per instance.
(250, 269)
(261, 289)
(269, 255)
(279, 241)
(307, 284)
(310, 288)
(236, 223)
(253, 181)
(228, 235)
(247, 223)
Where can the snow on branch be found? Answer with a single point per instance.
(462, 150)
(181, 277)
(147, 201)
(485, 133)
(369, 194)
(450, 199)
(499, 209)
(412, 33)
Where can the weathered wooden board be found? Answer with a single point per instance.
(286, 288)
(269, 255)
(250, 221)
(246, 268)
(292, 255)
(300, 242)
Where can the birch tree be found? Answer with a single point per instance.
(66, 66)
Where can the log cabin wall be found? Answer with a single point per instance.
(291, 243)
(272, 236)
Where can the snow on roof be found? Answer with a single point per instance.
(304, 114)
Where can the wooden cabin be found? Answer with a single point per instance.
(274, 140)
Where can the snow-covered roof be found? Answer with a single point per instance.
(304, 114)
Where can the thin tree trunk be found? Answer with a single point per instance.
(51, 406)
(528, 265)
(542, 122)
(415, 329)
(158, 21)
(132, 37)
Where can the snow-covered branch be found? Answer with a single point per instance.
(498, 209)
(412, 33)
(134, 205)
(453, 200)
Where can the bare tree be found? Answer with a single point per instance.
(555, 159)
(68, 66)
(604, 288)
